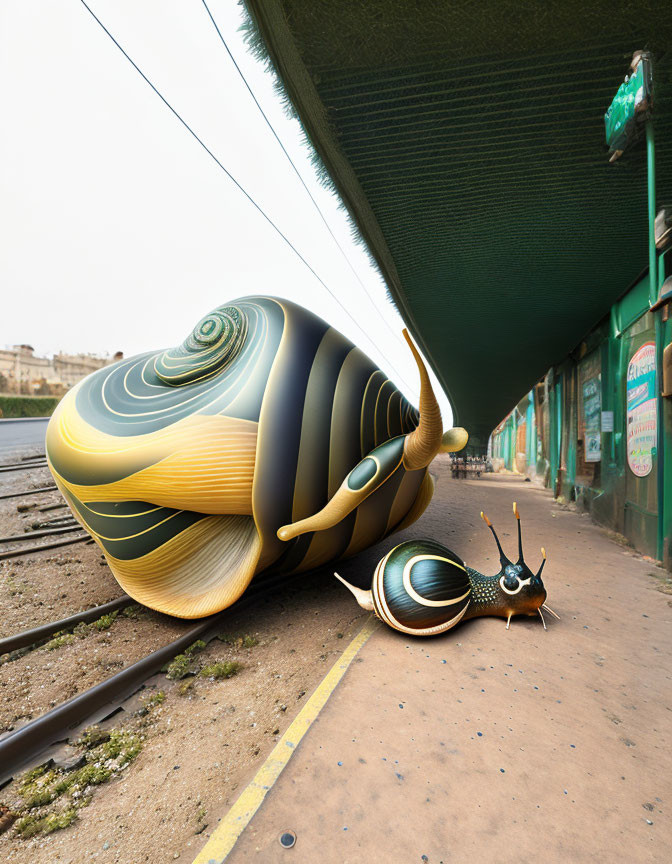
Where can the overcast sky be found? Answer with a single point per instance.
(117, 231)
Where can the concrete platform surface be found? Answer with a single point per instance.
(484, 745)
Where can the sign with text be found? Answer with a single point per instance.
(642, 423)
(592, 409)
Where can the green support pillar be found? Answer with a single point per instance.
(659, 331)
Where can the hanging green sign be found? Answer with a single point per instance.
(630, 106)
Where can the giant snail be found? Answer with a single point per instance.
(422, 588)
(265, 440)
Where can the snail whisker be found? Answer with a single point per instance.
(508, 620)
(550, 611)
(541, 615)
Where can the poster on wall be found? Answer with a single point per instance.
(592, 412)
(642, 426)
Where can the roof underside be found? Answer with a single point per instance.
(467, 141)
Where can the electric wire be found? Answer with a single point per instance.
(239, 186)
(297, 172)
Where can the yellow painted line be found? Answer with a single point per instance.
(224, 837)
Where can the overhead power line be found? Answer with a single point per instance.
(239, 186)
(297, 172)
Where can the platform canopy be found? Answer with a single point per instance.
(466, 140)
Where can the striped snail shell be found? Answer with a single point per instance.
(265, 440)
(420, 587)
(212, 344)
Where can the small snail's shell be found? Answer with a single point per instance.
(421, 587)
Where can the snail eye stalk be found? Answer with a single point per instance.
(520, 536)
(502, 557)
(543, 554)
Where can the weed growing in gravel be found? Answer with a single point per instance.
(181, 665)
(238, 640)
(81, 630)
(30, 825)
(151, 701)
(105, 621)
(134, 611)
(107, 753)
(59, 640)
(220, 670)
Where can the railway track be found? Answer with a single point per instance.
(63, 525)
(26, 461)
(26, 466)
(26, 492)
(30, 744)
(41, 547)
(34, 636)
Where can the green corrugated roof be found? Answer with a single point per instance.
(467, 141)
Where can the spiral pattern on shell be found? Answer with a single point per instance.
(421, 588)
(213, 343)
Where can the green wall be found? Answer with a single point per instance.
(639, 507)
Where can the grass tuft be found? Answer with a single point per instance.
(185, 687)
(107, 754)
(239, 640)
(181, 665)
(58, 641)
(221, 670)
(105, 621)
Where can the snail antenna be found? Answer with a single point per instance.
(502, 557)
(520, 537)
(543, 554)
(541, 615)
(364, 598)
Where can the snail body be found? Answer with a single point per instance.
(423, 588)
(265, 440)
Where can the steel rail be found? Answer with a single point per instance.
(52, 507)
(56, 520)
(17, 553)
(62, 529)
(37, 634)
(19, 748)
(27, 492)
(28, 466)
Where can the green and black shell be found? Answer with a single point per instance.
(197, 467)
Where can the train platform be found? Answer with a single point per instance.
(485, 744)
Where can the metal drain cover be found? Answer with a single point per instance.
(287, 839)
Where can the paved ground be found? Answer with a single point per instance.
(572, 762)
(15, 435)
(492, 746)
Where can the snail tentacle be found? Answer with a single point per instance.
(422, 445)
(364, 598)
(364, 479)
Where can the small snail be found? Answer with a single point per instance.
(422, 588)
(266, 439)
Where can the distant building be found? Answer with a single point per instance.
(21, 371)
